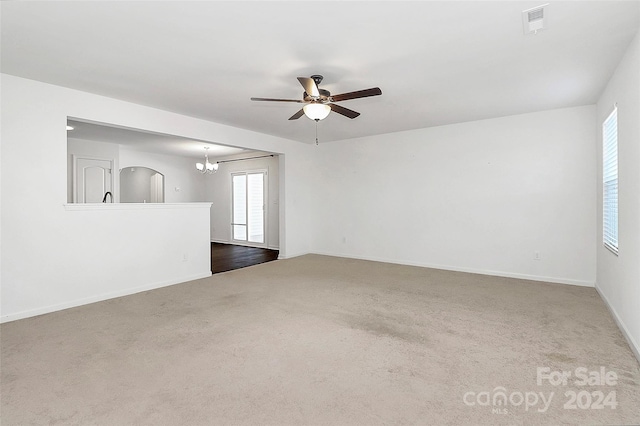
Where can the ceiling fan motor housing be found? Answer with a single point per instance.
(324, 96)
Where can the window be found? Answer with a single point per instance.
(248, 207)
(610, 181)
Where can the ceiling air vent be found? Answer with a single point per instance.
(534, 19)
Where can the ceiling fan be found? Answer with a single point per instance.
(319, 102)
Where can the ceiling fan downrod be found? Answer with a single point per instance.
(317, 78)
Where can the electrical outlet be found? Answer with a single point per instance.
(536, 255)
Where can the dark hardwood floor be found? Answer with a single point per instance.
(226, 257)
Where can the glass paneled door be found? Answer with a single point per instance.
(248, 204)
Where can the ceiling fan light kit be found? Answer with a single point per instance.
(319, 102)
(316, 111)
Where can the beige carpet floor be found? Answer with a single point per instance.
(322, 340)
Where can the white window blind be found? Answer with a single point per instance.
(255, 207)
(610, 181)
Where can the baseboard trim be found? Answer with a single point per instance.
(282, 256)
(635, 348)
(98, 298)
(555, 280)
(244, 245)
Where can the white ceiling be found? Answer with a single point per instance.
(436, 62)
(149, 142)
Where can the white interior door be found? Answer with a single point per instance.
(248, 205)
(92, 179)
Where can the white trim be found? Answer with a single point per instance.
(516, 275)
(218, 241)
(282, 256)
(635, 347)
(134, 206)
(611, 248)
(213, 240)
(100, 297)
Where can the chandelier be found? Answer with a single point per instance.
(207, 167)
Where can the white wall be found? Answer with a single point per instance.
(101, 251)
(480, 196)
(219, 193)
(182, 182)
(618, 278)
(54, 257)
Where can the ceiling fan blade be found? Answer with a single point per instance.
(375, 91)
(297, 115)
(278, 100)
(344, 111)
(310, 86)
